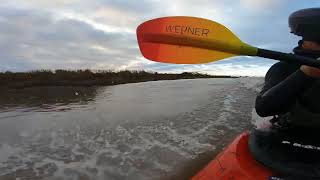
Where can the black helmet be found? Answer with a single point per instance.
(306, 23)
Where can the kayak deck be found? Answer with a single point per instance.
(235, 162)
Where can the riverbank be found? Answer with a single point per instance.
(89, 78)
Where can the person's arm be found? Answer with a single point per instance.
(282, 87)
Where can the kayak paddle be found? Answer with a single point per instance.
(192, 40)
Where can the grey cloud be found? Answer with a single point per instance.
(33, 35)
(31, 40)
(142, 6)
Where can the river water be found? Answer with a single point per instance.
(152, 130)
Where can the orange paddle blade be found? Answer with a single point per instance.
(188, 40)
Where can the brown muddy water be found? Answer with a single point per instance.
(152, 130)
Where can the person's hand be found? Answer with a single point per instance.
(310, 71)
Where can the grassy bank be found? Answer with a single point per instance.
(88, 78)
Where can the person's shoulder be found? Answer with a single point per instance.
(281, 69)
(281, 65)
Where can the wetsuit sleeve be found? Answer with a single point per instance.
(282, 87)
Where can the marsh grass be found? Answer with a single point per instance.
(88, 77)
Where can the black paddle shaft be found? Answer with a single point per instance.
(290, 58)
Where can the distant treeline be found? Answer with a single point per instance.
(88, 78)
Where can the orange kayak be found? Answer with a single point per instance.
(235, 163)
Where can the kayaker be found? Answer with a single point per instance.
(291, 91)
(291, 95)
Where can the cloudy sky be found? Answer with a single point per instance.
(100, 34)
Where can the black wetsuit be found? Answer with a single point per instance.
(285, 85)
(295, 98)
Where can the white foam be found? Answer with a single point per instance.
(256, 119)
(255, 84)
(227, 109)
(6, 151)
(252, 83)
